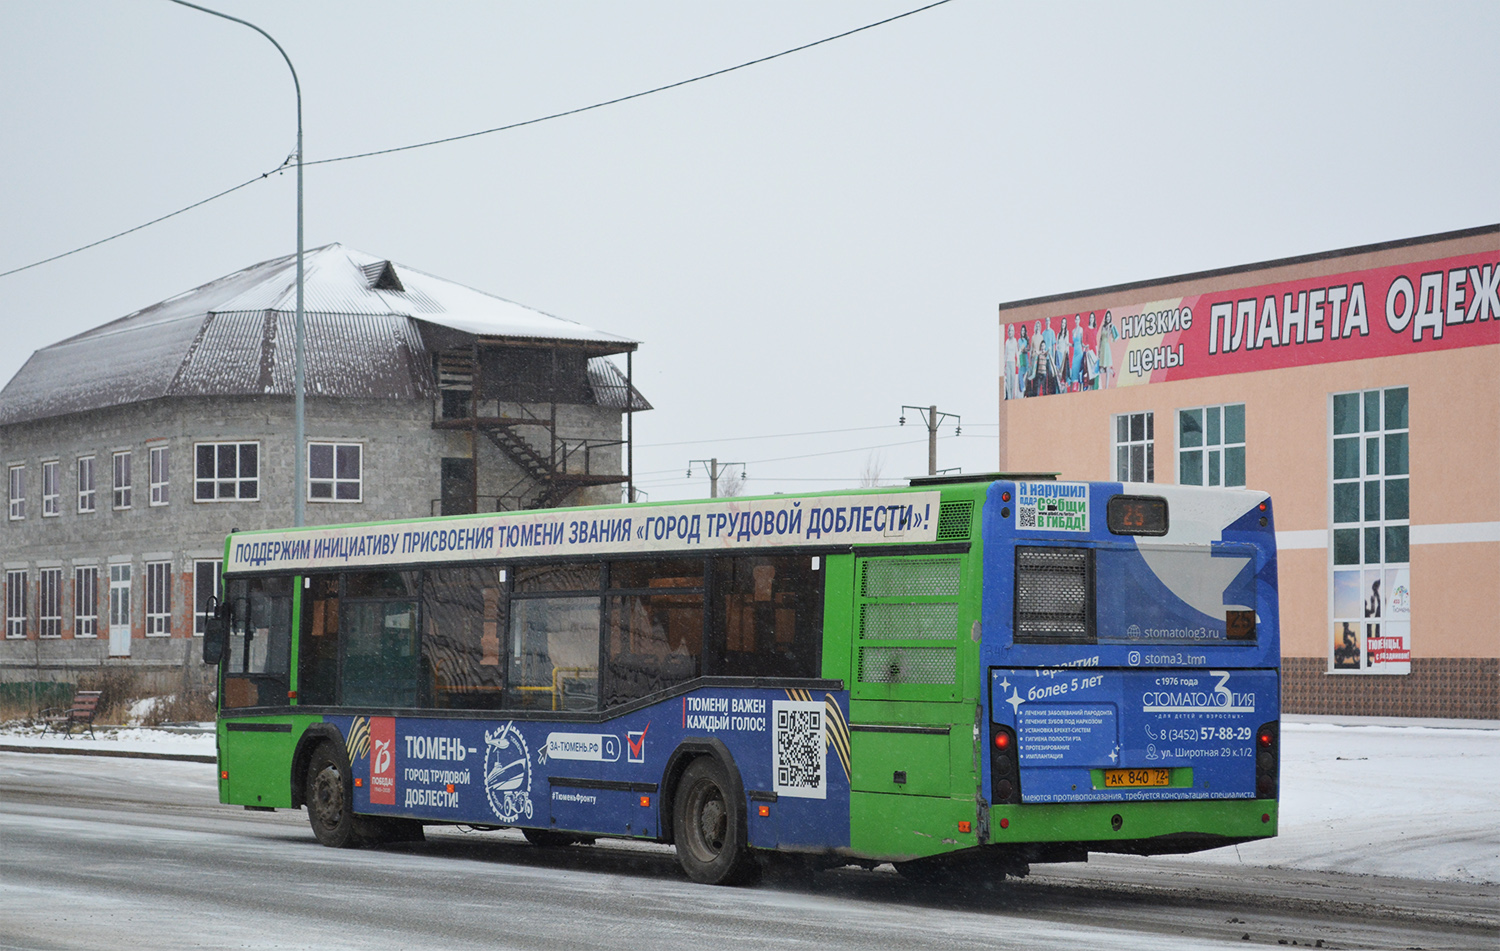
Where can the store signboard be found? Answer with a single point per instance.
(1408, 308)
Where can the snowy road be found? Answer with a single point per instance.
(121, 853)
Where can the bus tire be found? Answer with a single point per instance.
(708, 826)
(330, 798)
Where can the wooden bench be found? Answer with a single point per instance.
(80, 714)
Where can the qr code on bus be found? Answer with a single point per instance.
(1026, 516)
(797, 748)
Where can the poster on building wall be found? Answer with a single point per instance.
(1371, 621)
(1410, 308)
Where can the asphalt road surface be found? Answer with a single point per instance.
(100, 853)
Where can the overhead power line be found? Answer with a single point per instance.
(153, 221)
(501, 128)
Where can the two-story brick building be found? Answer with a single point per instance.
(132, 449)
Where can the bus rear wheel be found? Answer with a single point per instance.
(330, 798)
(707, 826)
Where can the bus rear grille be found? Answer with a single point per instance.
(1054, 594)
(953, 521)
(921, 620)
(906, 665)
(900, 578)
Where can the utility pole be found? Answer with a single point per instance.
(932, 418)
(713, 467)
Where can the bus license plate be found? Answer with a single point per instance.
(1137, 777)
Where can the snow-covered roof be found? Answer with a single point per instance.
(366, 318)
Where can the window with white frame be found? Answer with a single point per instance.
(1135, 442)
(17, 492)
(122, 479)
(85, 483)
(159, 475)
(86, 601)
(1211, 445)
(226, 471)
(206, 574)
(51, 489)
(1371, 525)
(15, 603)
(158, 598)
(49, 602)
(334, 471)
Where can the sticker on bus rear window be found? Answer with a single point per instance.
(1052, 506)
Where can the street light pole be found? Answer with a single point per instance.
(299, 453)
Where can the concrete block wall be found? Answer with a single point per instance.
(401, 477)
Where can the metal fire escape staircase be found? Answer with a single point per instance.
(565, 466)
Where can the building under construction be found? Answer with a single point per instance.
(132, 449)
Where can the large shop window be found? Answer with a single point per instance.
(1370, 504)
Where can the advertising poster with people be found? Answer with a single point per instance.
(1434, 305)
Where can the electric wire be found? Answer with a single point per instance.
(470, 135)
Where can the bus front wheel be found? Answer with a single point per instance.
(330, 798)
(708, 827)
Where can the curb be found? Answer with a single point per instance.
(122, 754)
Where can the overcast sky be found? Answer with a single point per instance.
(802, 246)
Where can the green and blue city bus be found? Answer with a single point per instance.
(1001, 670)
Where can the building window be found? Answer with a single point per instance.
(122, 479)
(17, 492)
(227, 471)
(86, 601)
(333, 472)
(1371, 525)
(158, 598)
(51, 490)
(85, 483)
(159, 476)
(15, 604)
(1135, 442)
(1211, 446)
(206, 576)
(119, 596)
(49, 603)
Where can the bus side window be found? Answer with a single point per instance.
(257, 656)
(378, 627)
(654, 627)
(767, 617)
(553, 649)
(463, 620)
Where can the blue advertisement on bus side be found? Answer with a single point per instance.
(791, 748)
(1088, 735)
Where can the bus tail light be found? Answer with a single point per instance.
(1005, 766)
(1267, 760)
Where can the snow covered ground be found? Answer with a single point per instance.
(1405, 798)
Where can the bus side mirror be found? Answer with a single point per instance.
(215, 631)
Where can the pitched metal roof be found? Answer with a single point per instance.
(365, 320)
